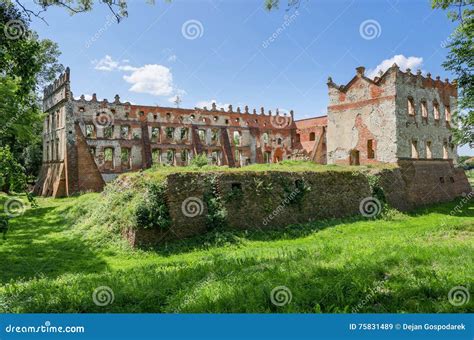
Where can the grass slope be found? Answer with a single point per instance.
(407, 264)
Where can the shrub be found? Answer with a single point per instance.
(152, 211)
(12, 174)
(199, 161)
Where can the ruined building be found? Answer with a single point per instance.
(394, 117)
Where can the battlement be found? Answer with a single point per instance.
(61, 81)
(415, 79)
(213, 109)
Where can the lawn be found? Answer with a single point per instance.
(403, 263)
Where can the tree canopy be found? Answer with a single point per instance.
(460, 61)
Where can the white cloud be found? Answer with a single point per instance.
(402, 61)
(152, 79)
(208, 104)
(106, 64)
(172, 58)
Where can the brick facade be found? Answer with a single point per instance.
(395, 116)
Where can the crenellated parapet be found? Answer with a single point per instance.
(407, 76)
(57, 92)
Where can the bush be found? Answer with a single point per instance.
(12, 174)
(152, 211)
(199, 161)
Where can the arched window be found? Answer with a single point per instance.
(436, 110)
(236, 138)
(424, 109)
(312, 136)
(265, 138)
(411, 106)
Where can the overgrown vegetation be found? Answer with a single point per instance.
(53, 261)
(216, 212)
(152, 211)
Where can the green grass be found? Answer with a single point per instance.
(160, 171)
(53, 263)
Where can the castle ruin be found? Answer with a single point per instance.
(392, 118)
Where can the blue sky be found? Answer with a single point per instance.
(209, 50)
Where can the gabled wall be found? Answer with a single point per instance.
(360, 111)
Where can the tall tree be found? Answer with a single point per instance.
(26, 64)
(460, 61)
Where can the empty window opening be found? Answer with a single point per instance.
(370, 149)
(93, 150)
(90, 131)
(109, 132)
(312, 136)
(237, 157)
(429, 154)
(170, 157)
(424, 110)
(354, 157)
(279, 141)
(125, 132)
(414, 149)
(109, 158)
(169, 132)
(411, 106)
(184, 133)
(447, 111)
(215, 157)
(202, 135)
(155, 134)
(436, 110)
(267, 157)
(216, 118)
(441, 179)
(237, 138)
(265, 138)
(156, 156)
(184, 156)
(215, 135)
(125, 158)
(445, 150)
